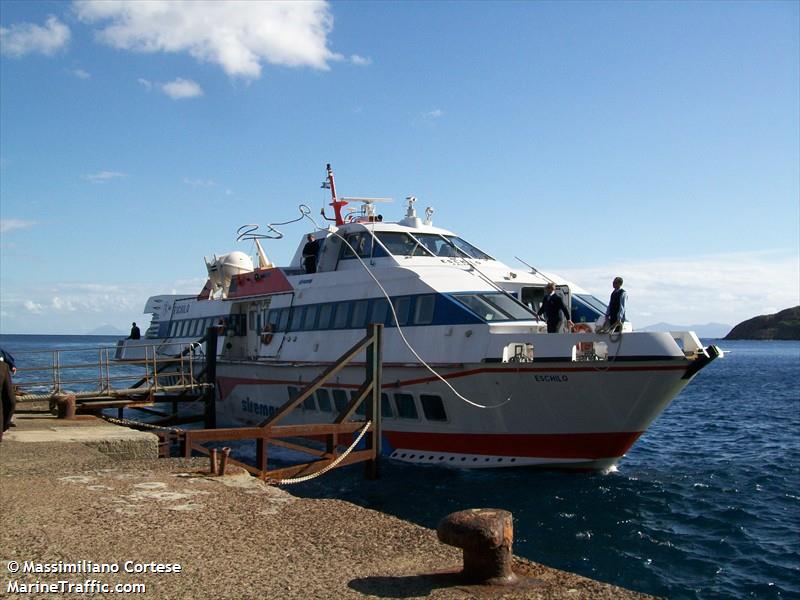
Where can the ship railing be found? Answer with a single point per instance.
(334, 434)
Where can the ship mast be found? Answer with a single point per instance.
(335, 202)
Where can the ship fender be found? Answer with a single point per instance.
(266, 334)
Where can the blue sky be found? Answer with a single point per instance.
(654, 140)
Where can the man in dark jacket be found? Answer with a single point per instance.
(615, 314)
(8, 400)
(553, 307)
(310, 251)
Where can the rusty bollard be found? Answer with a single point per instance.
(223, 460)
(65, 404)
(485, 535)
(213, 456)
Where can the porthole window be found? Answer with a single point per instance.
(386, 407)
(433, 407)
(284, 320)
(358, 319)
(325, 316)
(298, 312)
(423, 311)
(324, 400)
(380, 310)
(340, 318)
(402, 307)
(311, 317)
(340, 400)
(406, 408)
(361, 410)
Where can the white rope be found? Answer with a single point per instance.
(421, 360)
(328, 467)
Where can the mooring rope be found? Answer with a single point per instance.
(328, 467)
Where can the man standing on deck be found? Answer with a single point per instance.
(615, 313)
(553, 307)
(8, 400)
(310, 251)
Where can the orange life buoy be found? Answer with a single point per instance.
(581, 328)
(266, 334)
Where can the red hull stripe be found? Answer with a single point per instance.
(563, 445)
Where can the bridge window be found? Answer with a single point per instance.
(495, 306)
(433, 407)
(402, 244)
(363, 245)
(467, 248)
(406, 409)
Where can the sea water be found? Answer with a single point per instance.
(705, 505)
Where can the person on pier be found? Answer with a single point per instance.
(8, 400)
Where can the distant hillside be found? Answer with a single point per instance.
(107, 330)
(784, 325)
(709, 330)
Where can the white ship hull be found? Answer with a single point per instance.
(571, 415)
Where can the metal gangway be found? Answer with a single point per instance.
(97, 380)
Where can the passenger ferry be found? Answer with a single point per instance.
(496, 389)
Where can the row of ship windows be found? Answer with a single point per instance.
(411, 310)
(401, 406)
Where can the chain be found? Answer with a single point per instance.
(330, 466)
(141, 424)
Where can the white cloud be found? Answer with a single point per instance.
(33, 307)
(103, 176)
(237, 35)
(360, 61)
(28, 38)
(206, 183)
(182, 88)
(434, 114)
(721, 288)
(7, 225)
(80, 74)
(148, 85)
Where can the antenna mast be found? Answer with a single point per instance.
(335, 202)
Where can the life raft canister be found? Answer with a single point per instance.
(266, 334)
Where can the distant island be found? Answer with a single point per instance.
(709, 330)
(784, 325)
(107, 330)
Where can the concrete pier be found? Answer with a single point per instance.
(82, 492)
